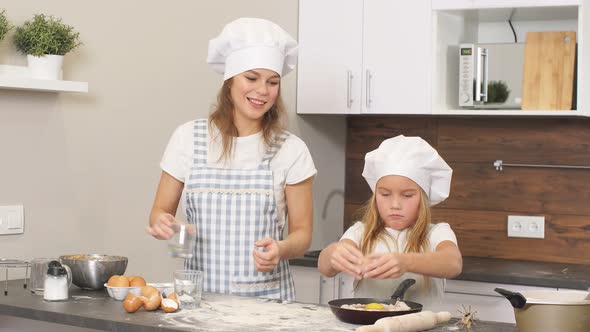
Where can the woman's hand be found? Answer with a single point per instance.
(162, 227)
(265, 260)
(385, 265)
(347, 258)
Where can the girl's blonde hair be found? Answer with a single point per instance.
(375, 229)
(222, 117)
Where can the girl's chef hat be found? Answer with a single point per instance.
(413, 158)
(250, 43)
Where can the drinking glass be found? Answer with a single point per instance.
(39, 268)
(182, 244)
(188, 285)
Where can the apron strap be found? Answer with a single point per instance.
(200, 142)
(272, 151)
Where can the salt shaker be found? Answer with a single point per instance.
(56, 283)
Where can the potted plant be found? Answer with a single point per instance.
(45, 40)
(497, 92)
(4, 25)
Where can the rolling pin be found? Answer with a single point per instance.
(419, 321)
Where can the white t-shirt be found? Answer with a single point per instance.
(380, 288)
(291, 164)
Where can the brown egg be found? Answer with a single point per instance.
(121, 281)
(112, 280)
(132, 303)
(137, 282)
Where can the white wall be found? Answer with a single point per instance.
(85, 166)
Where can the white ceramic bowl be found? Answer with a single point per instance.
(119, 293)
(165, 288)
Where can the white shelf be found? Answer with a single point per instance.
(476, 4)
(17, 78)
(545, 113)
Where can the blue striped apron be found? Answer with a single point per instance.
(232, 209)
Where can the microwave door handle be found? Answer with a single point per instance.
(485, 57)
(478, 74)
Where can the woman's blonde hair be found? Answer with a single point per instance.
(222, 117)
(375, 229)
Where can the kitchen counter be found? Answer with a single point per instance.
(94, 309)
(505, 271)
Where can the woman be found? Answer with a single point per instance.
(242, 175)
(396, 239)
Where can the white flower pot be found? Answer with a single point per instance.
(46, 67)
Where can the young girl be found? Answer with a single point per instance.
(243, 176)
(396, 239)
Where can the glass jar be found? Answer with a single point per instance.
(56, 284)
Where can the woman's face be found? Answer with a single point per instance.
(254, 92)
(398, 201)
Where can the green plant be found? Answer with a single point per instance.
(497, 92)
(45, 35)
(4, 25)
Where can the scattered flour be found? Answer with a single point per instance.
(223, 313)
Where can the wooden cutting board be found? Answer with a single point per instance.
(548, 78)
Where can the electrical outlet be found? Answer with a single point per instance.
(526, 226)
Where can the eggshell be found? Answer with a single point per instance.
(169, 305)
(153, 298)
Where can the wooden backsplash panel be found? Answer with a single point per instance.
(518, 140)
(481, 197)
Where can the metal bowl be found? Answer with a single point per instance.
(92, 271)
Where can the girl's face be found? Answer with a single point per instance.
(398, 201)
(254, 92)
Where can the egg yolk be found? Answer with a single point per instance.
(374, 306)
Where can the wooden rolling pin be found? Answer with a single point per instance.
(419, 321)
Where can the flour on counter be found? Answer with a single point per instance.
(223, 313)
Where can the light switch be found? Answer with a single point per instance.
(12, 219)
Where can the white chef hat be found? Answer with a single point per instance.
(413, 158)
(250, 43)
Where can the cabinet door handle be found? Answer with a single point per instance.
(368, 86)
(349, 78)
(322, 281)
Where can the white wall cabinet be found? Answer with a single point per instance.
(363, 56)
(395, 57)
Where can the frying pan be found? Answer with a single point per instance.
(370, 317)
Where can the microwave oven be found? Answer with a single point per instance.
(473, 75)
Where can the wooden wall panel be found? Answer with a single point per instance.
(482, 197)
(515, 140)
(483, 234)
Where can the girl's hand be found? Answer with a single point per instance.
(347, 258)
(385, 266)
(162, 227)
(266, 260)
